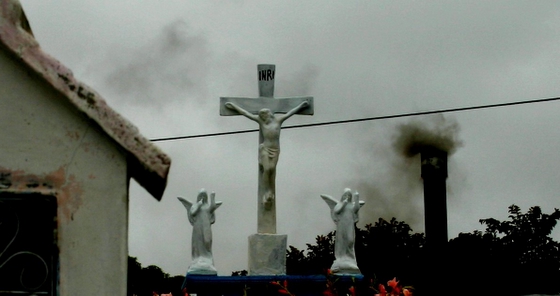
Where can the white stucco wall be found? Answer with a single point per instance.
(45, 140)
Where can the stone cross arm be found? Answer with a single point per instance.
(276, 105)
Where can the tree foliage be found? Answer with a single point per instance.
(143, 281)
(383, 250)
(517, 255)
(514, 257)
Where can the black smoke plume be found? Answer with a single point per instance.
(391, 185)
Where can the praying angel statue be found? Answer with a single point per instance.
(345, 215)
(201, 216)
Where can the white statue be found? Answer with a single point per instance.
(270, 125)
(345, 215)
(201, 216)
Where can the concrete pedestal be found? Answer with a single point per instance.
(267, 254)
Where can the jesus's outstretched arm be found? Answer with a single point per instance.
(295, 110)
(242, 111)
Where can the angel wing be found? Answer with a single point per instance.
(214, 204)
(356, 197)
(332, 203)
(357, 205)
(188, 205)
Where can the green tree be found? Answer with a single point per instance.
(143, 281)
(133, 278)
(512, 257)
(518, 254)
(317, 260)
(383, 250)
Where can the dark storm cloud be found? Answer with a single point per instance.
(171, 66)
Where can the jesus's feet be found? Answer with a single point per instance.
(268, 200)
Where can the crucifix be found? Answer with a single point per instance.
(263, 110)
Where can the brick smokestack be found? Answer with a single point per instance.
(434, 174)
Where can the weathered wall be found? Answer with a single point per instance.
(47, 146)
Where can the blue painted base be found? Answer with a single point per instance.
(301, 285)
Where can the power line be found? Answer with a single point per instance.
(363, 119)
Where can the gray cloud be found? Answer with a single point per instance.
(299, 83)
(172, 66)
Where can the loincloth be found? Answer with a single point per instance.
(268, 155)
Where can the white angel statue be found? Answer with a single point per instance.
(345, 215)
(201, 216)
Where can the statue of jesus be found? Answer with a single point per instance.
(269, 149)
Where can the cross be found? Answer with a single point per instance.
(262, 110)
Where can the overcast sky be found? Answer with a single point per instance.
(164, 65)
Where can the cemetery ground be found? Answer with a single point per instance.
(516, 256)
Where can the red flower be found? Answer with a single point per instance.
(407, 292)
(382, 291)
(282, 289)
(393, 283)
(395, 287)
